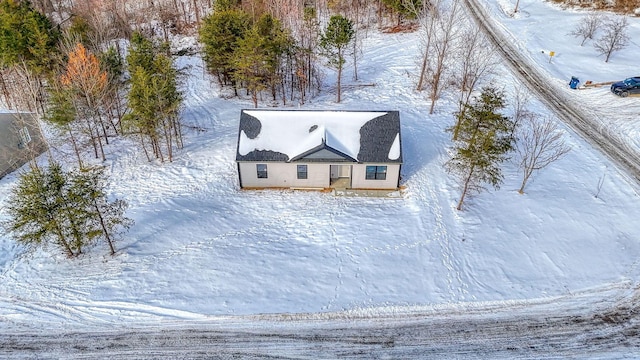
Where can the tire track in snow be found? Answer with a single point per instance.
(58, 301)
(54, 295)
(563, 327)
(204, 110)
(200, 110)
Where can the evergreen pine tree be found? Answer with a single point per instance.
(251, 63)
(67, 209)
(61, 113)
(41, 211)
(220, 35)
(113, 63)
(154, 98)
(485, 137)
(26, 35)
(404, 8)
(334, 43)
(277, 43)
(141, 52)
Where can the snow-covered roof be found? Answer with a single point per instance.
(292, 135)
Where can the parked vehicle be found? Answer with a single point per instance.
(626, 87)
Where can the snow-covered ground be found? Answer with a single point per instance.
(202, 248)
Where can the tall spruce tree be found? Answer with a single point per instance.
(334, 43)
(62, 113)
(277, 44)
(44, 209)
(306, 55)
(485, 138)
(33, 216)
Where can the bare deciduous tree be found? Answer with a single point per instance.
(520, 105)
(477, 61)
(444, 38)
(355, 12)
(307, 33)
(169, 17)
(586, 28)
(107, 20)
(427, 16)
(44, 6)
(614, 38)
(28, 92)
(540, 144)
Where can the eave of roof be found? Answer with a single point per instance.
(321, 147)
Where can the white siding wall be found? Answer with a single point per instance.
(359, 180)
(284, 175)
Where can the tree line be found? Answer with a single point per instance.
(257, 53)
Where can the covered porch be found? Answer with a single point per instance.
(340, 176)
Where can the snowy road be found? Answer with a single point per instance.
(599, 324)
(579, 117)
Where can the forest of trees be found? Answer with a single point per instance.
(97, 70)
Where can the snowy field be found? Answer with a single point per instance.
(201, 248)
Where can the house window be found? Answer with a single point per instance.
(302, 171)
(25, 137)
(262, 171)
(376, 173)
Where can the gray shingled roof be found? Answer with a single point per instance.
(376, 136)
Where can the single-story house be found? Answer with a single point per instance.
(309, 149)
(20, 140)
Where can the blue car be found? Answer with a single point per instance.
(626, 87)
